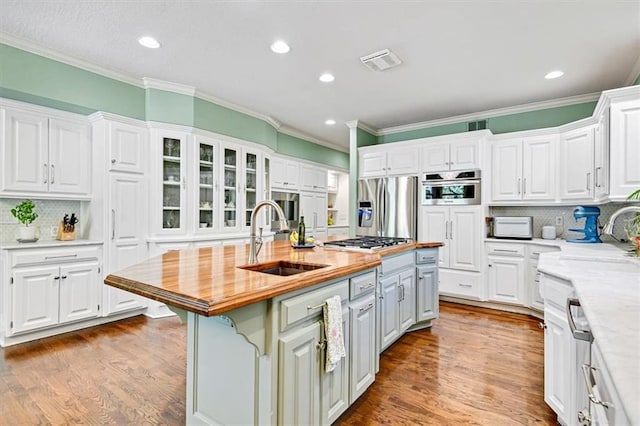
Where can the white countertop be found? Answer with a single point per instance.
(14, 245)
(607, 284)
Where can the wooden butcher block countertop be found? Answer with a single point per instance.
(207, 280)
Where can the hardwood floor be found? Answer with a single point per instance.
(475, 366)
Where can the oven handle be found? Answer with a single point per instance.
(577, 334)
(440, 183)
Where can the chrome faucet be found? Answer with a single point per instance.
(255, 243)
(608, 228)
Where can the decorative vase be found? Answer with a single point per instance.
(27, 233)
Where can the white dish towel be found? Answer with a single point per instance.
(332, 312)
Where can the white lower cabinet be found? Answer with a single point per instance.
(427, 303)
(307, 394)
(49, 287)
(564, 388)
(396, 300)
(299, 387)
(506, 273)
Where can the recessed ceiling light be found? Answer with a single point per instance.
(554, 74)
(330, 122)
(149, 42)
(280, 47)
(327, 78)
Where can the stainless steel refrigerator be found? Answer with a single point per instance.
(388, 207)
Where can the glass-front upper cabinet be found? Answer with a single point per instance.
(207, 194)
(230, 175)
(173, 182)
(250, 185)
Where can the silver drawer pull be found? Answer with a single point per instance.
(506, 251)
(66, 256)
(465, 285)
(590, 382)
(364, 287)
(311, 308)
(366, 308)
(577, 334)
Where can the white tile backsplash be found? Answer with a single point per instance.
(50, 213)
(546, 215)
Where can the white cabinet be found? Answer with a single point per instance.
(601, 158)
(126, 237)
(313, 206)
(363, 344)
(49, 287)
(397, 302)
(171, 174)
(392, 161)
(535, 299)
(335, 385)
(524, 169)
(313, 178)
(127, 147)
(506, 272)
(44, 155)
(285, 174)
(460, 229)
(577, 166)
(564, 388)
(332, 181)
(625, 149)
(427, 306)
(299, 387)
(454, 155)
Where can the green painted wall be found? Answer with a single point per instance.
(169, 107)
(216, 118)
(637, 82)
(296, 147)
(365, 138)
(32, 78)
(550, 117)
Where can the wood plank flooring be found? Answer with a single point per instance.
(475, 366)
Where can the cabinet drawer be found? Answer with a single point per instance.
(460, 284)
(505, 249)
(54, 255)
(427, 256)
(310, 304)
(362, 284)
(555, 291)
(401, 261)
(535, 250)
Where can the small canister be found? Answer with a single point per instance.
(549, 232)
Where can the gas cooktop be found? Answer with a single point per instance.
(366, 243)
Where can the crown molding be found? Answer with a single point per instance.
(492, 113)
(352, 124)
(298, 134)
(67, 59)
(361, 125)
(102, 115)
(167, 86)
(635, 73)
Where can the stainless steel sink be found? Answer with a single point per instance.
(282, 268)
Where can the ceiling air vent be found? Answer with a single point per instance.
(476, 125)
(382, 60)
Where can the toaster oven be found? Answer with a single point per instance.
(513, 227)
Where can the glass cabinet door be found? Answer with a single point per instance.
(172, 194)
(250, 185)
(230, 187)
(206, 186)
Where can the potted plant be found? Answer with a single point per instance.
(633, 227)
(25, 213)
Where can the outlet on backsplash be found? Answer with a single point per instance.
(559, 221)
(53, 231)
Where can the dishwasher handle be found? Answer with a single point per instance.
(577, 334)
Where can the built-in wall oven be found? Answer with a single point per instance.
(451, 187)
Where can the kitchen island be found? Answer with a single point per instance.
(255, 339)
(607, 284)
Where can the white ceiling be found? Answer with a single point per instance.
(459, 57)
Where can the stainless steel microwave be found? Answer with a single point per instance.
(513, 227)
(451, 187)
